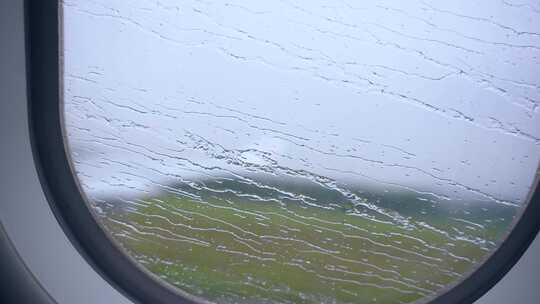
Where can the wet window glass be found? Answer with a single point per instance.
(301, 151)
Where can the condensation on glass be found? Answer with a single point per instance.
(301, 151)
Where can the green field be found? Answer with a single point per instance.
(234, 242)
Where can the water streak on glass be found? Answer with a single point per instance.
(299, 151)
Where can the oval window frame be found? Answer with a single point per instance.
(42, 20)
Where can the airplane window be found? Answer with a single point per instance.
(303, 151)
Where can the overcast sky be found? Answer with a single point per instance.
(431, 96)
